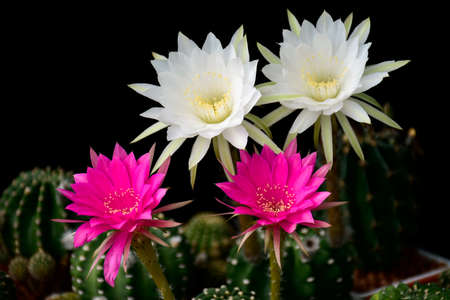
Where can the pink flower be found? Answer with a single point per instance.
(119, 196)
(279, 190)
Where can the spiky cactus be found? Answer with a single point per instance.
(381, 196)
(26, 208)
(7, 288)
(136, 282)
(208, 234)
(429, 291)
(326, 273)
(226, 293)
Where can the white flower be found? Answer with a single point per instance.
(205, 93)
(319, 70)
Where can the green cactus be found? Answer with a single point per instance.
(41, 266)
(429, 291)
(226, 293)
(7, 288)
(18, 268)
(208, 234)
(381, 197)
(326, 274)
(26, 208)
(64, 296)
(136, 283)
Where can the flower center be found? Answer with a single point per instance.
(321, 90)
(121, 201)
(210, 96)
(274, 198)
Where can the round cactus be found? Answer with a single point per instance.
(429, 291)
(18, 268)
(41, 266)
(226, 293)
(136, 282)
(208, 234)
(26, 208)
(7, 288)
(64, 296)
(327, 273)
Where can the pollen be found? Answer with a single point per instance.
(210, 96)
(275, 198)
(121, 201)
(321, 89)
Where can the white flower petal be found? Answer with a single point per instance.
(148, 90)
(324, 23)
(355, 111)
(304, 120)
(361, 32)
(369, 81)
(212, 44)
(185, 45)
(237, 136)
(153, 113)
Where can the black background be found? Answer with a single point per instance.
(66, 70)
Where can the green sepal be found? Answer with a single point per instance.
(276, 115)
(348, 130)
(293, 23)
(259, 123)
(348, 24)
(268, 55)
(170, 149)
(379, 115)
(277, 98)
(149, 131)
(258, 136)
(327, 137)
(368, 99)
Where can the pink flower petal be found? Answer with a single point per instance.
(288, 226)
(291, 149)
(81, 234)
(98, 253)
(299, 242)
(245, 157)
(295, 168)
(164, 167)
(319, 197)
(157, 197)
(151, 154)
(268, 154)
(126, 252)
(103, 163)
(161, 223)
(171, 206)
(119, 152)
(94, 157)
(328, 205)
(276, 244)
(260, 171)
(130, 163)
(280, 170)
(250, 229)
(67, 221)
(80, 177)
(114, 256)
(98, 179)
(154, 238)
(139, 176)
(322, 171)
(317, 224)
(235, 193)
(302, 179)
(310, 160)
(301, 217)
(119, 174)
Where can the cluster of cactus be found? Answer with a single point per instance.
(226, 293)
(325, 274)
(381, 197)
(136, 282)
(30, 243)
(26, 209)
(429, 291)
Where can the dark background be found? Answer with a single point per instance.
(66, 70)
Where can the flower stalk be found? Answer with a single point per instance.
(275, 272)
(147, 255)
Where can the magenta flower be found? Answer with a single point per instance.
(279, 190)
(120, 196)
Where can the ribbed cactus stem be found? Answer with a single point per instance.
(275, 272)
(147, 255)
(334, 214)
(252, 247)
